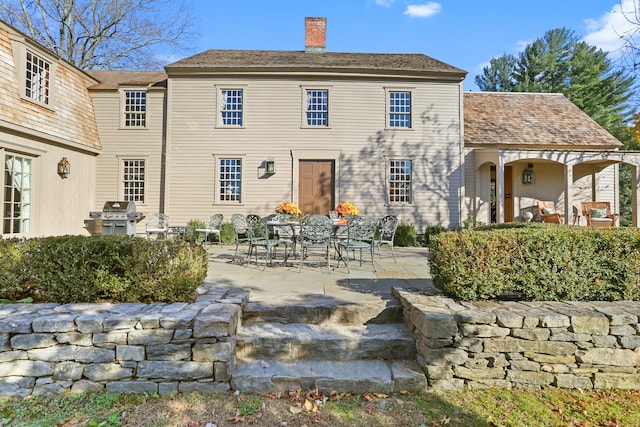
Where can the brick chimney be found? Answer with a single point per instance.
(315, 34)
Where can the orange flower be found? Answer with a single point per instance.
(288, 208)
(347, 209)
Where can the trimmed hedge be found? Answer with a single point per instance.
(545, 262)
(67, 269)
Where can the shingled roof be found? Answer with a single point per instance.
(275, 60)
(113, 79)
(533, 120)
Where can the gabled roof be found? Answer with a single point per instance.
(530, 120)
(274, 60)
(113, 79)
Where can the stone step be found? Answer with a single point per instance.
(358, 376)
(319, 310)
(293, 341)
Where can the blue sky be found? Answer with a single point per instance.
(462, 33)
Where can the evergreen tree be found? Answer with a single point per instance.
(560, 62)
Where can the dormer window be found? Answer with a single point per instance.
(37, 78)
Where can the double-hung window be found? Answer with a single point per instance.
(135, 108)
(399, 104)
(230, 179)
(37, 78)
(399, 175)
(16, 217)
(232, 107)
(133, 180)
(317, 107)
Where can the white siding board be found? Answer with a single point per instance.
(273, 111)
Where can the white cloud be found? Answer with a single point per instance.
(423, 10)
(385, 3)
(607, 31)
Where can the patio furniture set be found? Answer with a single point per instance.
(597, 214)
(314, 233)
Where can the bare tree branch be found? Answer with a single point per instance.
(104, 34)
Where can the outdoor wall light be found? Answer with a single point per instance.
(270, 166)
(528, 177)
(64, 168)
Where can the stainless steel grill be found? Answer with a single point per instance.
(118, 217)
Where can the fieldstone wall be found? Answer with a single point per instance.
(164, 348)
(526, 345)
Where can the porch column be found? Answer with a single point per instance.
(568, 193)
(500, 191)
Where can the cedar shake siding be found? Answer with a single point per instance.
(41, 134)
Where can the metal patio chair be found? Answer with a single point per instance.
(215, 222)
(240, 226)
(259, 236)
(157, 223)
(386, 233)
(315, 233)
(360, 235)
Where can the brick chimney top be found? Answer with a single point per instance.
(315, 34)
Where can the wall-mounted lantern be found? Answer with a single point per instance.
(528, 177)
(64, 168)
(270, 166)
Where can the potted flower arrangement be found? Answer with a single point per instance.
(288, 208)
(347, 209)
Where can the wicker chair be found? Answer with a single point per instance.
(598, 214)
(548, 213)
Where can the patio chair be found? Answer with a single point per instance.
(215, 221)
(360, 235)
(239, 222)
(259, 236)
(157, 223)
(548, 213)
(315, 233)
(386, 233)
(598, 214)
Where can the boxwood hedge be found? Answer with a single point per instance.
(538, 262)
(67, 269)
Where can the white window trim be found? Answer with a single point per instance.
(387, 107)
(123, 105)
(387, 179)
(303, 105)
(218, 105)
(121, 160)
(20, 58)
(33, 200)
(216, 178)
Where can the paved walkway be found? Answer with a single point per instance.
(283, 282)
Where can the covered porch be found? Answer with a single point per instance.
(509, 182)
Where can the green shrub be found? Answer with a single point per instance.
(191, 235)
(538, 262)
(227, 233)
(432, 230)
(88, 269)
(405, 235)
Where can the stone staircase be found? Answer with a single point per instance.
(323, 344)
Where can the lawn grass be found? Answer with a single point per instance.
(490, 407)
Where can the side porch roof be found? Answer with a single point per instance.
(531, 120)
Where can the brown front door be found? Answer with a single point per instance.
(508, 194)
(316, 186)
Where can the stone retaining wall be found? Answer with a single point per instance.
(525, 344)
(164, 348)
